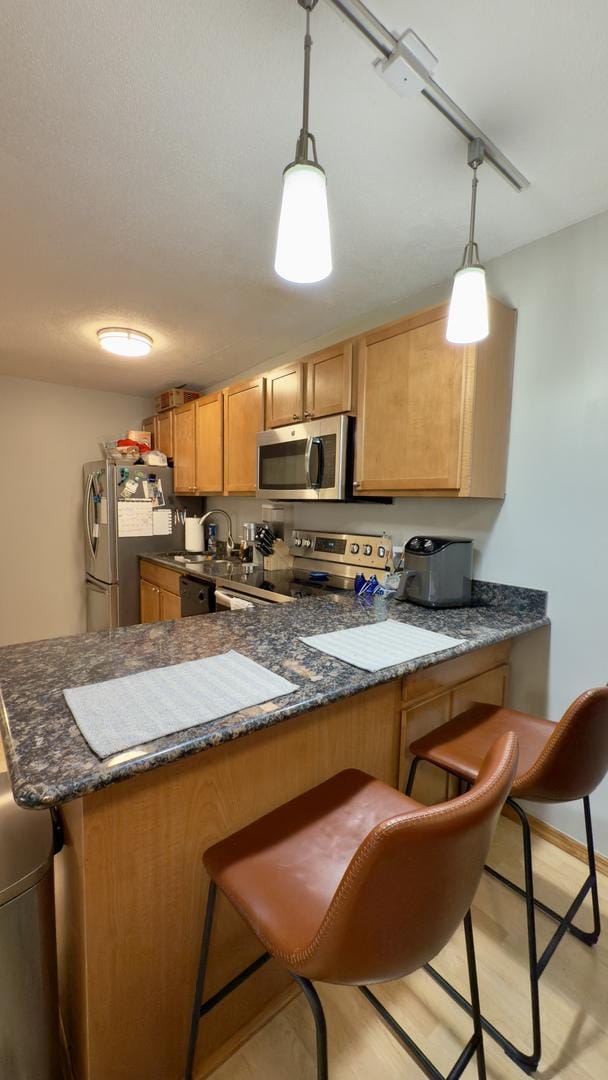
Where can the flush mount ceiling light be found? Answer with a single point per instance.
(124, 342)
(468, 314)
(303, 253)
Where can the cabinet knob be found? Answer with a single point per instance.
(355, 483)
(307, 414)
(295, 416)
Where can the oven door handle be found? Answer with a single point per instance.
(314, 440)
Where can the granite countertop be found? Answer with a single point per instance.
(48, 759)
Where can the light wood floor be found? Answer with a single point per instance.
(574, 996)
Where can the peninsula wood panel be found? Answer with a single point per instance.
(170, 606)
(243, 418)
(184, 434)
(209, 440)
(141, 887)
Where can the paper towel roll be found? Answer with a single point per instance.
(194, 534)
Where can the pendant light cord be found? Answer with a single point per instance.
(475, 159)
(305, 135)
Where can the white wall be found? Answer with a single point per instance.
(551, 532)
(47, 432)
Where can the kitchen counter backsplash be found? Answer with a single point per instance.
(50, 762)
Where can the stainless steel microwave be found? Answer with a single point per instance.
(306, 461)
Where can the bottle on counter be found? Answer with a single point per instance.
(212, 538)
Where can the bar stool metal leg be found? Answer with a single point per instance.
(592, 938)
(200, 978)
(321, 1028)
(474, 988)
(411, 776)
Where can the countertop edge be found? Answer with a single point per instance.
(31, 796)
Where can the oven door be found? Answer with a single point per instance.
(304, 461)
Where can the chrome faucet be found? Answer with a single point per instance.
(229, 538)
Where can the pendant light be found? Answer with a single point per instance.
(468, 315)
(303, 253)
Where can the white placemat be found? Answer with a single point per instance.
(134, 709)
(381, 645)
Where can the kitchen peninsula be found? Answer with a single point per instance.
(130, 882)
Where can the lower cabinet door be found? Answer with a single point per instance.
(170, 605)
(149, 602)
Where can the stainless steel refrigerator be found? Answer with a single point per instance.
(111, 548)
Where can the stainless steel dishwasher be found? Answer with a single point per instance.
(198, 597)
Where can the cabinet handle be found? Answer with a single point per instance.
(307, 414)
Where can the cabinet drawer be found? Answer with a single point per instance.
(160, 575)
(434, 680)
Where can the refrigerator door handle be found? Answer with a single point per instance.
(87, 523)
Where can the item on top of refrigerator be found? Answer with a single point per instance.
(113, 452)
(142, 438)
(154, 457)
(176, 395)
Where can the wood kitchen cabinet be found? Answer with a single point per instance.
(149, 425)
(320, 385)
(159, 596)
(433, 418)
(209, 444)
(243, 418)
(163, 432)
(184, 450)
(285, 395)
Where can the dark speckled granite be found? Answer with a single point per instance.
(50, 762)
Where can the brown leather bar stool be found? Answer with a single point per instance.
(557, 763)
(355, 883)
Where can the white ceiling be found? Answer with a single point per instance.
(141, 150)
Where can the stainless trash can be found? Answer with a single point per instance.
(29, 1013)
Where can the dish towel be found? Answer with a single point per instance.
(380, 645)
(125, 712)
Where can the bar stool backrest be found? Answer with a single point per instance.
(575, 758)
(412, 881)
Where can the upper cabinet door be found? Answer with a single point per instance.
(243, 418)
(184, 448)
(209, 412)
(410, 412)
(285, 395)
(163, 432)
(329, 377)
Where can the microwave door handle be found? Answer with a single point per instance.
(320, 461)
(307, 461)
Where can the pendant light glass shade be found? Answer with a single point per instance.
(303, 252)
(468, 315)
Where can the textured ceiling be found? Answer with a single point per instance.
(141, 150)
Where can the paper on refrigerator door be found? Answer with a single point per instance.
(162, 522)
(135, 518)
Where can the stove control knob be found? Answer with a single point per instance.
(306, 542)
(297, 542)
(381, 552)
(429, 545)
(354, 549)
(367, 550)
